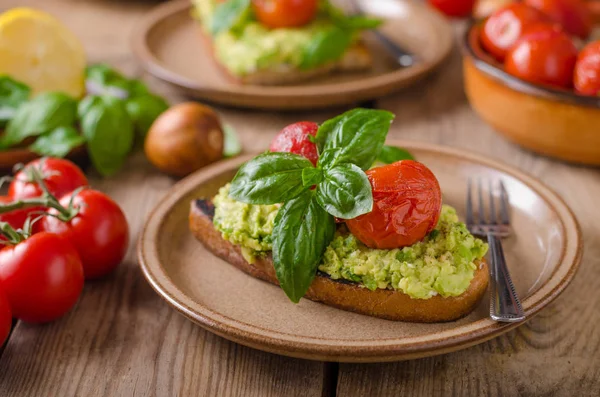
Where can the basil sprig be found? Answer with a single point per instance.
(12, 95)
(392, 154)
(313, 196)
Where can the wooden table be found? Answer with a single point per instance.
(123, 340)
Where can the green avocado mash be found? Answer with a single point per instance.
(443, 263)
(249, 46)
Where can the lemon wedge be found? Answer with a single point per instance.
(40, 51)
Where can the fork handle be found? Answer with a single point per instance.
(505, 305)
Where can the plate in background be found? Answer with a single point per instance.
(169, 44)
(543, 257)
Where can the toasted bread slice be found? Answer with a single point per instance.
(357, 58)
(383, 303)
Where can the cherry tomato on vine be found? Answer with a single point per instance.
(295, 139)
(587, 70)
(505, 26)
(573, 15)
(42, 277)
(454, 8)
(544, 55)
(5, 318)
(60, 176)
(285, 13)
(15, 218)
(99, 231)
(407, 202)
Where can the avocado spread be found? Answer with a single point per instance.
(443, 263)
(250, 46)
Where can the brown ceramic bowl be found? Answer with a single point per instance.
(552, 122)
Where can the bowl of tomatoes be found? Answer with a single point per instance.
(532, 73)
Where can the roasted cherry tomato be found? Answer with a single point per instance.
(454, 8)
(407, 206)
(5, 318)
(587, 70)
(42, 277)
(295, 139)
(573, 15)
(60, 176)
(544, 55)
(505, 26)
(285, 13)
(15, 218)
(99, 231)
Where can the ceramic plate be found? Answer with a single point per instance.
(543, 257)
(168, 43)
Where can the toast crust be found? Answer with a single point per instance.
(346, 295)
(357, 58)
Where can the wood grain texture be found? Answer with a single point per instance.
(555, 354)
(122, 339)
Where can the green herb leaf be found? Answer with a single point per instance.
(345, 192)
(229, 14)
(232, 146)
(301, 233)
(392, 154)
(270, 178)
(109, 132)
(311, 176)
(356, 137)
(58, 142)
(326, 46)
(358, 22)
(43, 113)
(143, 110)
(12, 95)
(101, 79)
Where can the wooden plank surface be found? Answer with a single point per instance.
(123, 340)
(555, 354)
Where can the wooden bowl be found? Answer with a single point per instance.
(552, 122)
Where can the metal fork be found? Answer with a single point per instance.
(505, 305)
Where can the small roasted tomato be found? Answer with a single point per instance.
(587, 70)
(573, 15)
(502, 30)
(285, 13)
(407, 202)
(454, 8)
(295, 139)
(544, 55)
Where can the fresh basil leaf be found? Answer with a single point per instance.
(108, 131)
(270, 178)
(101, 79)
(356, 137)
(326, 46)
(392, 154)
(311, 176)
(43, 113)
(12, 95)
(358, 22)
(143, 110)
(301, 233)
(58, 142)
(229, 14)
(232, 146)
(345, 192)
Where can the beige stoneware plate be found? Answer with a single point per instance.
(169, 45)
(543, 257)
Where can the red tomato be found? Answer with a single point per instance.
(42, 277)
(587, 70)
(5, 318)
(99, 232)
(60, 176)
(454, 8)
(505, 26)
(14, 218)
(294, 139)
(285, 13)
(544, 55)
(573, 15)
(407, 206)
